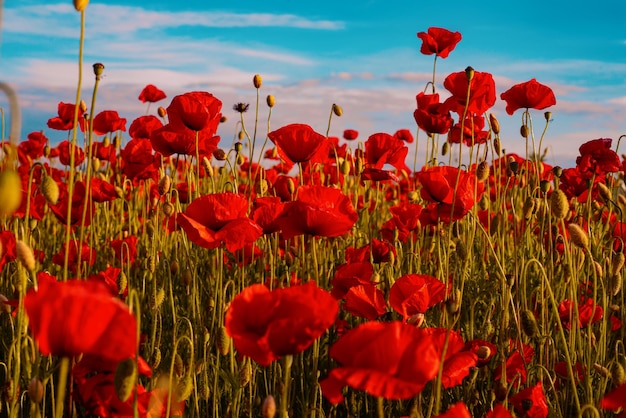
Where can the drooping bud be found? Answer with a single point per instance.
(529, 323)
(10, 192)
(125, 379)
(578, 236)
(523, 130)
(50, 190)
(337, 110)
(445, 148)
(165, 184)
(482, 171)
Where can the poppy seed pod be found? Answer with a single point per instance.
(98, 69)
(80, 5)
(524, 132)
(469, 72)
(482, 171)
(257, 81)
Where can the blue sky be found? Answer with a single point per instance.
(364, 57)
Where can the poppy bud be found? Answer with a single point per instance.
(528, 208)
(155, 359)
(544, 186)
(495, 125)
(50, 190)
(241, 135)
(529, 323)
(125, 379)
(208, 168)
(523, 130)
(617, 263)
(223, 119)
(557, 171)
(35, 390)
(83, 106)
(257, 80)
(245, 374)
(482, 171)
(122, 283)
(268, 410)
(238, 147)
(578, 236)
(161, 111)
(270, 100)
(483, 352)
(291, 187)
(337, 110)
(25, 255)
(483, 203)
(204, 391)
(10, 192)
(184, 388)
(615, 284)
(223, 341)
(445, 148)
(165, 184)
(497, 146)
(559, 205)
(80, 5)
(156, 299)
(219, 154)
(98, 69)
(618, 374)
(179, 366)
(240, 159)
(604, 192)
(46, 151)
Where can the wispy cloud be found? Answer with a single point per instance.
(114, 19)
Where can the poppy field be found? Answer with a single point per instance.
(152, 268)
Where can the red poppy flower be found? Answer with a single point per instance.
(7, 248)
(382, 148)
(190, 114)
(351, 274)
(473, 132)
(365, 301)
(318, 211)
(415, 293)
(458, 410)
(377, 174)
(586, 313)
(404, 135)
(266, 211)
(102, 191)
(431, 115)
(615, 400)
(391, 360)
(405, 220)
(266, 325)
(86, 253)
(458, 358)
(108, 121)
(143, 126)
(79, 200)
(350, 134)
(65, 119)
(104, 151)
(64, 153)
(528, 95)
(213, 219)
(151, 94)
(125, 249)
(110, 278)
(80, 317)
(452, 200)
(138, 162)
(32, 148)
(531, 402)
(297, 142)
(378, 251)
(597, 158)
(482, 92)
(520, 355)
(438, 41)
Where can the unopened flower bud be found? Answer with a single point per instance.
(529, 323)
(482, 171)
(495, 125)
(125, 378)
(50, 190)
(523, 130)
(578, 236)
(223, 119)
(80, 5)
(257, 80)
(271, 101)
(337, 110)
(559, 205)
(25, 255)
(268, 409)
(164, 184)
(219, 154)
(469, 72)
(161, 111)
(238, 147)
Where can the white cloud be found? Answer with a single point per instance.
(117, 20)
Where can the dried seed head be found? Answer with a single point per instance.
(495, 125)
(578, 236)
(223, 119)
(337, 110)
(49, 189)
(257, 81)
(270, 100)
(548, 116)
(529, 323)
(482, 171)
(25, 255)
(557, 171)
(165, 183)
(469, 73)
(268, 409)
(559, 205)
(238, 147)
(125, 379)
